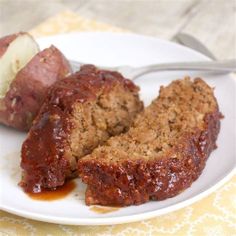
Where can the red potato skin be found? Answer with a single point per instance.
(27, 91)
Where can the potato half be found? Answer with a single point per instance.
(26, 91)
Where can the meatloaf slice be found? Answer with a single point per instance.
(162, 153)
(80, 112)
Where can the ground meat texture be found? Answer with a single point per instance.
(163, 152)
(80, 112)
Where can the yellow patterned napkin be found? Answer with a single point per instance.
(215, 215)
(70, 22)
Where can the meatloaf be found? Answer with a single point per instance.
(79, 113)
(163, 152)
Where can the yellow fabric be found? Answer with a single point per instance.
(215, 215)
(68, 22)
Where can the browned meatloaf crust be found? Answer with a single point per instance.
(162, 153)
(80, 112)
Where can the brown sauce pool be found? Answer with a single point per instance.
(53, 195)
(103, 210)
(62, 192)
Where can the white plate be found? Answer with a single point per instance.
(115, 49)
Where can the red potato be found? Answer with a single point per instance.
(26, 92)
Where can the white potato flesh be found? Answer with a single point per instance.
(18, 54)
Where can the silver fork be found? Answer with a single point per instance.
(225, 66)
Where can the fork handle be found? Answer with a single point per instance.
(225, 66)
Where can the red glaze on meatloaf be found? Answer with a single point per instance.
(80, 112)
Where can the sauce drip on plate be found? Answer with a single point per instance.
(103, 210)
(52, 195)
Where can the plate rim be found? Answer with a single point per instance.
(130, 34)
(122, 219)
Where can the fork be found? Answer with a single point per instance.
(224, 66)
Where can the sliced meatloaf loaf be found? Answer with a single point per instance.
(80, 112)
(162, 153)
